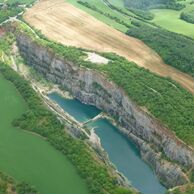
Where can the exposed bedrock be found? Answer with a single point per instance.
(159, 147)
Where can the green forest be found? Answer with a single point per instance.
(162, 97)
(175, 49)
(188, 16)
(9, 185)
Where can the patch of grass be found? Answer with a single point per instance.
(170, 20)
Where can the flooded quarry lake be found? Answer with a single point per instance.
(121, 151)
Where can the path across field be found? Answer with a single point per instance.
(62, 22)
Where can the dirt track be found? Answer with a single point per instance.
(62, 22)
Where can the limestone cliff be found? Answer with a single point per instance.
(166, 154)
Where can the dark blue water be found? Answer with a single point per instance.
(122, 152)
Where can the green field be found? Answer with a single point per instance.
(118, 3)
(28, 157)
(170, 20)
(105, 9)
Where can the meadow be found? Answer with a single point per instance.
(170, 20)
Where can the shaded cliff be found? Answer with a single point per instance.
(168, 156)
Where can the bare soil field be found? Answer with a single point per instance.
(64, 23)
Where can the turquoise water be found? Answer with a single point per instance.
(126, 157)
(122, 152)
(81, 112)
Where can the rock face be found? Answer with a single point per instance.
(159, 147)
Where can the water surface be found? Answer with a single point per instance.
(122, 152)
(30, 158)
(81, 112)
(126, 157)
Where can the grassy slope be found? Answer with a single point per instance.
(118, 3)
(170, 20)
(102, 18)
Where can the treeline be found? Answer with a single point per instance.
(145, 14)
(188, 16)
(176, 50)
(150, 4)
(45, 123)
(8, 185)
